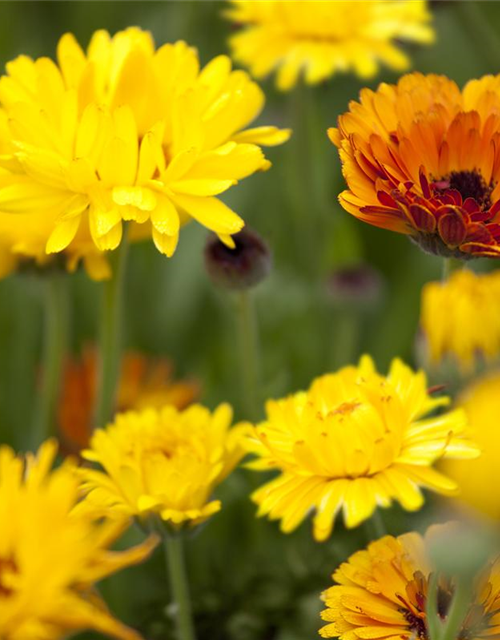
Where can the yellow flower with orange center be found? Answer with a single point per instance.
(382, 592)
(354, 441)
(51, 555)
(126, 132)
(162, 462)
(322, 37)
(422, 158)
(449, 318)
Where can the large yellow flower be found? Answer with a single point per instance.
(126, 132)
(354, 441)
(324, 37)
(477, 480)
(382, 592)
(449, 317)
(51, 556)
(162, 461)
(422, 158)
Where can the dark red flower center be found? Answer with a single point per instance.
(469, 184)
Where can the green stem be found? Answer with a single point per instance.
(449, 266)
(346, 336)
(434, 623)
(55, 337)
(249, 354)
(375, 526)
(174, 554)
(110, 336)
(457, 611)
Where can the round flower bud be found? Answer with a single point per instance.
(358, 285)
(242, 267)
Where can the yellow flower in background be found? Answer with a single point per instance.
(51, 556)
(478, 479)
(321, 38)
(126, 132)
(382, 592)
(164, 462)
(354, 441)
(461, 318)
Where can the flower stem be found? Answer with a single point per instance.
(174, 555)
(375, 526)
(55, 336)
(249, 354)
(449, 266)
(434, 623)
(457, 610)
(110, 336)
(346, 329)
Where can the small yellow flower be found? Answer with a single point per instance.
(477, 479)
(355, 440)
(322, 37)
(51, 556)
(382, 592)
(164, 462)
(449, 317)
(126, 132)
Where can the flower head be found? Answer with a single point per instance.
(422, 158)
(465, 296)
(144, 382)
(355, 440)
(162, 461)
(51, 555)
(321, 38)
(382, 592)
(476, 479)
(126, 132)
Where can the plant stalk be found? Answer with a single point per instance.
(174, 555)
(249, 354)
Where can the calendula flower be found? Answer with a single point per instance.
(382, 592)
(322, 38)
(477, 481)
(162, 462)
(422, 158)
(127, 132)
(465, 297)
(143, 382)
(51, 556)
(354, 441)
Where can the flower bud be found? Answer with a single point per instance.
(242, 267)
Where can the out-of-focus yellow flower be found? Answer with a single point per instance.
(163, 461)
(382, 592)
(449, 317)
(324, 37)
(126, 132)
(143, 383)
(477, 480)
(422, 158)
(354, 441)
(51, 556)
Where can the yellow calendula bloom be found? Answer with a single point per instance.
(51, 556)
(322, 37)
(477, 480)
(126, 132)
(162, 461)
(449, 318)
(382, 592)
(354, 441)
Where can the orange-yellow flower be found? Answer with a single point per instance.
(126, 132)
(51, 554)
(143, 383)
(422, 158)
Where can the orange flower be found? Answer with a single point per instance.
(423, 158)
(143, 383)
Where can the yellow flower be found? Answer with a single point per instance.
(51, 556)
(477, 480)
(449, 317)
(355, 440)
(126, 132)
(382, 592)
(324, 37)
(163, 461)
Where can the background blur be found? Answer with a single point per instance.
(249, 582)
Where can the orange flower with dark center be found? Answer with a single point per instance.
(423, 158)
(143, 383)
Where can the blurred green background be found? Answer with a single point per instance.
(249, 582)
